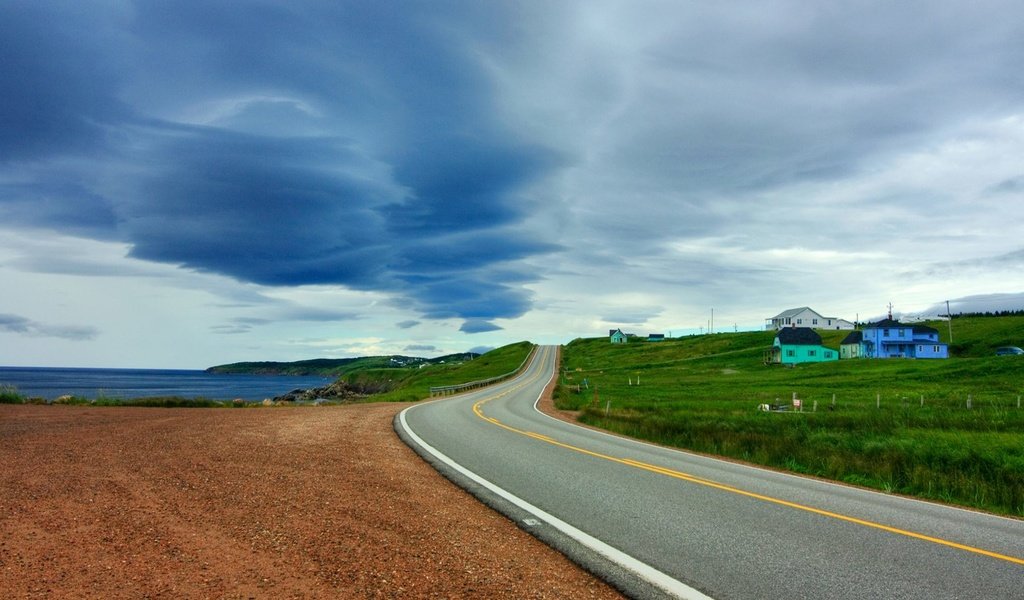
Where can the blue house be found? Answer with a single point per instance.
(889, 338)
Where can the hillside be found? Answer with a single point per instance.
(391, 378)
(336, 367)
(943, 429)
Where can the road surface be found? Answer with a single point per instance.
(657, 522)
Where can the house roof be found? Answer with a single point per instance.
(655, 335)
(798, 336)
(885, 323)
(612, 332)
(924, 329)
(793, 312)
(855, 337)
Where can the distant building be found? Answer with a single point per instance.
(889, 338)
(655, 337)
(852, 345)
(805, 317)
(617, 337)
(795, 345)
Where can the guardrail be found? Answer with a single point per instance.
(450, 390)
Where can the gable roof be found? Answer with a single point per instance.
(798, 336)
(793, 312)
(855, 337)
(893, 323)
(925, 329)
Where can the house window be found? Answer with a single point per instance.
(812, 353)
(790, 353)
(935, 349)
(885, 332)
(920, 348)
(814, 321)
(787, 321)
(799, 321)
(902, 331)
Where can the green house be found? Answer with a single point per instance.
(617, 337)
(795, 345)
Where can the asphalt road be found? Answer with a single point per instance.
(657, 522)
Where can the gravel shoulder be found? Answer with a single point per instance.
(305, 502)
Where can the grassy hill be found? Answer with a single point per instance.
(401, 378)
(336, 367)
(898, 425)
(415, 382)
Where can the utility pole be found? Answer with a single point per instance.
(711, 328)
(949, 321)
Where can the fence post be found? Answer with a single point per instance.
(878, 400)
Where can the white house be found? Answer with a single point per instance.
(805, 317)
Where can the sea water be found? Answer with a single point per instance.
(50, 383)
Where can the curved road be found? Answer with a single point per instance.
(657, 522)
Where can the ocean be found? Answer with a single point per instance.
(51, 383)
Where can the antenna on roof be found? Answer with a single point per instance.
(890, 311)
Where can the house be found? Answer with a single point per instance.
(655, 337)
(805, 317)
(852, 345)
(617, 337)
(794, 345)
(889, 338)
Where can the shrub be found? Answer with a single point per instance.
(9, 395)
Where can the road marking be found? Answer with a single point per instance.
(647, 573)
(478, 410)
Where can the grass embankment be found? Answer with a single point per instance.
(415, 383)
(896, 425)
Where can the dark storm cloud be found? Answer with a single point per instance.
(21, 325)
(306, 143)
(60, 70)
(399, 147)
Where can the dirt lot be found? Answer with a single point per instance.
(314, 502)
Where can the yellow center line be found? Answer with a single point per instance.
(478, 410)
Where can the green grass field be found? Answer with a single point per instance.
(897, 425)
(413, 384)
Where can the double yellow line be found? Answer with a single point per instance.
(478, 410)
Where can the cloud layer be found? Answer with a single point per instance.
(561, 167)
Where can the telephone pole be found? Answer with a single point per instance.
(949, 321)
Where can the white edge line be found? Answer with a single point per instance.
(643, 570)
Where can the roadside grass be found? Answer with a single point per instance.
(414, 384)
(9, 394)
(896, 425)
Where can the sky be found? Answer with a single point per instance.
(191, 183)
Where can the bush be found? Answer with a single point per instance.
(9, 395)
